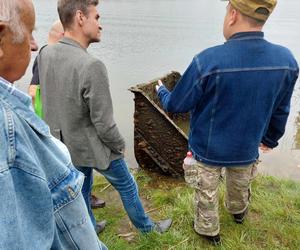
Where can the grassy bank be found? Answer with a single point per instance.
(273, 221)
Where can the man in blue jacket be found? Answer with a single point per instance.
(239, 97)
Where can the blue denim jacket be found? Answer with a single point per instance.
(41, 205)
(239, 95)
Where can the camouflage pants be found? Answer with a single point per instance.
(205, 179)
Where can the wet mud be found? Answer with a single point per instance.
(160, 138)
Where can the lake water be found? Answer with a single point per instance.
(145, 39)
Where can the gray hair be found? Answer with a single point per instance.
(10, 14)
(67, 9)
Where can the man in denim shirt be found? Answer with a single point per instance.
(239, 96)
(41, 205)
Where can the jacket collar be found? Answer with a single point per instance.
(21, 104)
(247, 35)
(71, 42)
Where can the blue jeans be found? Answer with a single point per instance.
(87, 190)
(121, 179)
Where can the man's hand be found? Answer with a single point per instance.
(264, 148)
(158, 85)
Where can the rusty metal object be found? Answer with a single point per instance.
(160, 138)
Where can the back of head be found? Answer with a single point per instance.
(256, 10)
(246, 15)
(56, 32)
(67, 10)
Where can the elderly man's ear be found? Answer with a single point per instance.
(3, 27)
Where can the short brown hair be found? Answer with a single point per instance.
(253, 21)
(67, 9)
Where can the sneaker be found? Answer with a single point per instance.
(100, 226)
(162, 226)
(239, 218)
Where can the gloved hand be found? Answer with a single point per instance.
(158, 85)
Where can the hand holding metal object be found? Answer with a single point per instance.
(160, 84)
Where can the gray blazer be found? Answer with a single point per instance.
(77, 104)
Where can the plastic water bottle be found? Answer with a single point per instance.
(188, 160)
(190, 170)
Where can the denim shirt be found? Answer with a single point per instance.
(238, 95)
(41, 205)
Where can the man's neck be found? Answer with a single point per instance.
(78, 38)
(3, 79)
(244, 29)
(7, 76)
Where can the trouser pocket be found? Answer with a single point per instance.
(254, 170)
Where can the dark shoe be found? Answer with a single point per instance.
(214, 240)
(162, 225)
(96, 203)
(239, 218)
(100, 226)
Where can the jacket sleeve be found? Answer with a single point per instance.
(97, 96)
(187, 92)
(279, 118)
(35, 73)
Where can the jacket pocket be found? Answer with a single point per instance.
(74, 227)
(66, 188)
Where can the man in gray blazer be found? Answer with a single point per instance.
(78, 108)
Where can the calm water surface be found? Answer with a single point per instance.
(145, 39)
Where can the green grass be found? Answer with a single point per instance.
(273, 221)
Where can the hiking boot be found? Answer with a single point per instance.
(96, 202)
(214, 240)
(162, 225)
(100, 226)
(239, 218)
